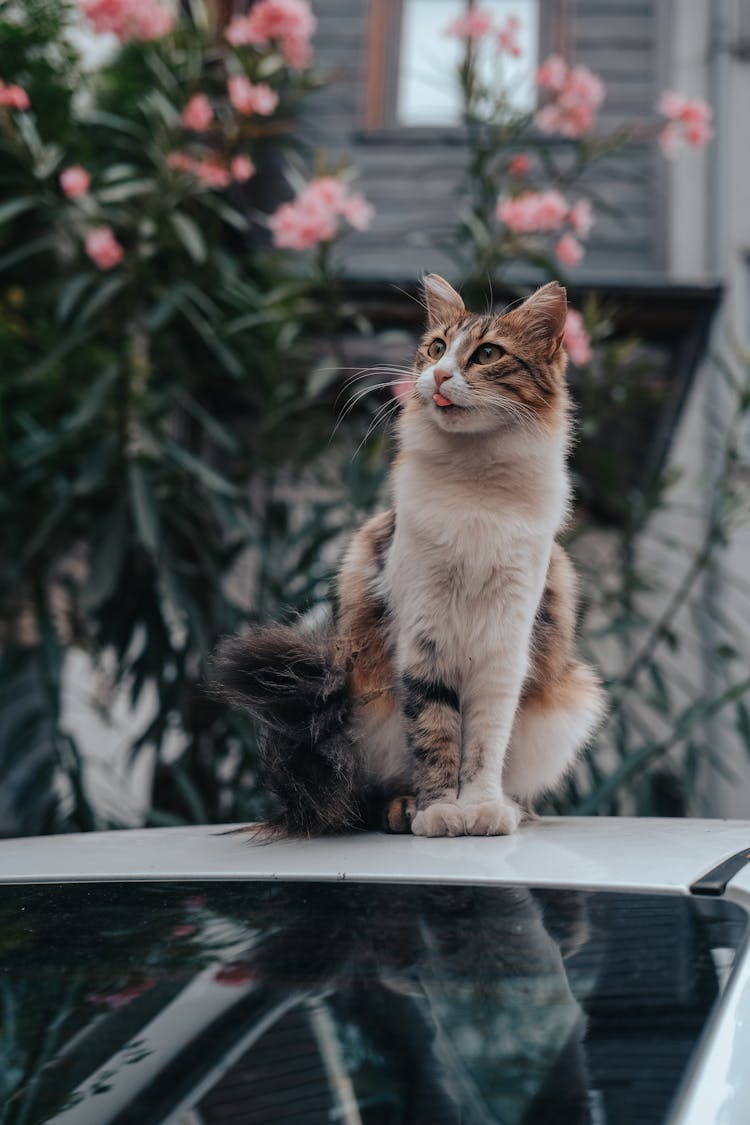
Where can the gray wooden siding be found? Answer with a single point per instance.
(414, 185)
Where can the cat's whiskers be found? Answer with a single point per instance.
(357, 397)
(384, 415)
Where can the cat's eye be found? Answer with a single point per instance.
(487, 353)
(436, 349)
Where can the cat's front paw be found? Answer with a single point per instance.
(500, 817)
(443, 819)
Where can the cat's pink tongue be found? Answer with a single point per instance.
(441, 400)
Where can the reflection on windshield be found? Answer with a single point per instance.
(366, 1004)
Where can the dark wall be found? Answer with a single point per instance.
(412, 178)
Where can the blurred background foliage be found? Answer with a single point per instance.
(169, 465)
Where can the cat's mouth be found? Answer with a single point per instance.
(443, 402)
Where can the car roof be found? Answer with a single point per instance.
(598, 853)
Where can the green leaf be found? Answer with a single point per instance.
(213, 428)
(70, 292)
(27, 250)
(145, 514)
(101, 297)
(107, 557)
(92, 403)
(661, 698)
(743, 724)
(199, 469)
(126, 190)
(189, 235)
(14, 207)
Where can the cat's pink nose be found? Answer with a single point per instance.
(440, 376)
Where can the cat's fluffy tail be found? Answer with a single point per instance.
(291, 682)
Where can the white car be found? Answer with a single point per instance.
(582, 970)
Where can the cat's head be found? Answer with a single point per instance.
(477, 374)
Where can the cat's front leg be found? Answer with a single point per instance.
(432, 721)
(488, 711)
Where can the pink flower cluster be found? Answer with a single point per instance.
(75, 181)
(288, 23)
(576, 340)
(197, 114)
(478, 24)
(248, 97)
(687, 121)
(536, 212)
(210, 171)
(15, 97)
(129, 19)
(313, 216)
(578, 93)
(103, 248)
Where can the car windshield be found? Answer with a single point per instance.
(369, 1004)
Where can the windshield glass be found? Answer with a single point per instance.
(366, 1004)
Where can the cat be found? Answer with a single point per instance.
(445, 694)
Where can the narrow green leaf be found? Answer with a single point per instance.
(107, 557)
(128, 189)
(189, 235)
(70, 292)
(14, 207)
(92, 403)
(743, 724)
(145, 514)
(199, 469)
(215, 430)
(27, 250)
(102, 296)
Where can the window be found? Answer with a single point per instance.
(412, 63)
(428, 57)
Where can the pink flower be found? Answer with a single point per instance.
(474, 25)
(325, 191)
(533, 211)
(519, 165)
(237, 972)
(569, 251)
(671, 105)
(197, 114)
(123, 996)
(75, 181)
(183, 930)
(129, 19)
(242, 168)
(209, 171)
(507, 38)
(103, 248)
(581, 217)
(584, 86)
(552, 73)
(579, 93)
(313, 216)
(195, 902)
(212, 173)
(289, 23)
(357, 211)
(688, 121)
(248, 98)
(576, 340)
(14, 96)
(297, 52)
(300, 226)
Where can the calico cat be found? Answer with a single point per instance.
(445, 693)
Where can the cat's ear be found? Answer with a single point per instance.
(442, 301)
(542, 317)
